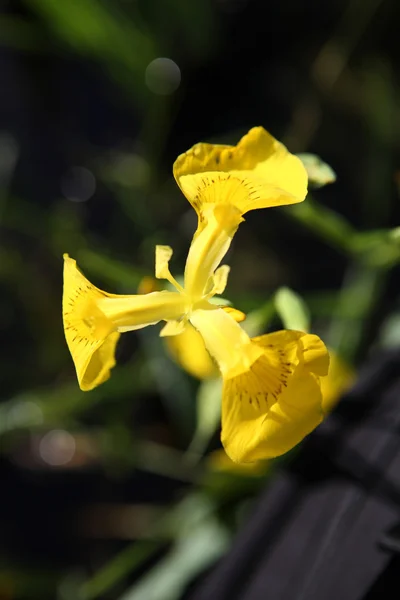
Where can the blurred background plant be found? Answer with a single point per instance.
(124, 492)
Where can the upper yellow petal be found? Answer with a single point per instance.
(90, 335)
(270, 408)
(257, 173)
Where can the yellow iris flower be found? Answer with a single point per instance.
(271, 394)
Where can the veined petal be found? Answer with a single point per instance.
(90, 336)
(93, 320)
(257, 173)
(270, 408)
(208, 248)
(225, 340)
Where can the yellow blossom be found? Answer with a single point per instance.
(271, 394)
(258, 172)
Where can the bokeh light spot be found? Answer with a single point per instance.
(24, 413)
(163, 76)
(57, 447)
(78, 184)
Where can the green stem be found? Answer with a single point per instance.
(324, 223)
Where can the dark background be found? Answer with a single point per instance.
(86, 154)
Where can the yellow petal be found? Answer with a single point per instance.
(172, 328)
(219, 280)
(208, 248)
(90, 336)
(257, 173)
(93, 318)
(190, 353)
(270, 408)
(129, 313)
(101, 362)
(236, 314)
(225, 340)
(163, 256)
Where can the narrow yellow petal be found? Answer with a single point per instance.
(128, 313)
(190, 353)
(219, 280)
(90, 336)
(270, 408)
(163, 256)
(257, 173)
(208, 248)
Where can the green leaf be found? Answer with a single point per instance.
(208, 416)
(201, 540)
(292, 310)
(319, 172)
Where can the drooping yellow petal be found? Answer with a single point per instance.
(93, 320)
(90, 336)
(226, 341)
(190, 353)
(270, 408)
(257, 173)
